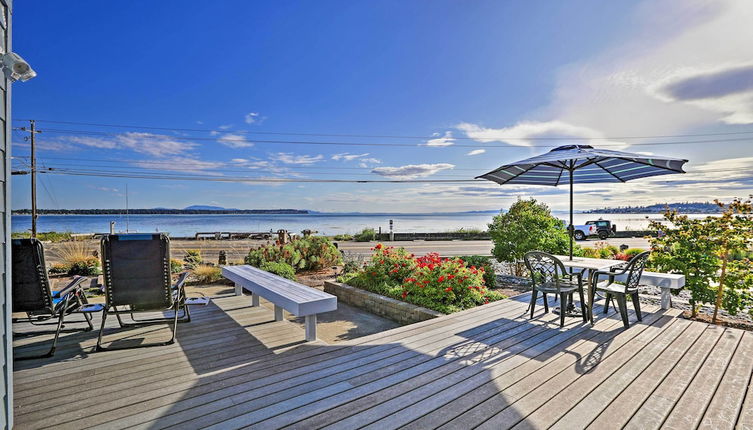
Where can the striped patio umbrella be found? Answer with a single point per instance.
(583, 164)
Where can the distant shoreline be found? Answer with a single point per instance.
(163, 212)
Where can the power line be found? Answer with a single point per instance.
(389, 136)
(479, 145)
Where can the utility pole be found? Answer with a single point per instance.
(33, 131)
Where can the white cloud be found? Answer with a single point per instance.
(104, 189)
(254, 118)
(239, 160)
(157, 145)
(225, 127)
(525, 132)
(235, 140)
(181, 164)
(726, 89)
(411, 171)
(289, 158)
(347, 156)
(445, 140)
(365, 162)
(476, 152)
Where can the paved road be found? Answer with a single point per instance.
(467, 247)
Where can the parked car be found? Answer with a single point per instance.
(604, 228)
(581, 232)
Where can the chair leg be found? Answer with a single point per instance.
(583, 309)
(637, 305)
(101, 330)
(622, 303)
(546, 304)
(534, 293)
(563, 308)
(607, 298)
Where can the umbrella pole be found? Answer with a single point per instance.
(572, 227)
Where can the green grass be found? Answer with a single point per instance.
(51, 236)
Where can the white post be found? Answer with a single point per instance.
(255, 300)
(310, 323)
(666, 298)
(238, 289)
(278, 313)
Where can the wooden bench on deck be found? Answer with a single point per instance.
(298, 299)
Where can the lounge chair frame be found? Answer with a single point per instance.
(33, 296)
(170, 298)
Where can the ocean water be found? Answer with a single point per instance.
(188, 225)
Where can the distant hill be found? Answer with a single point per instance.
(161, 211)
(685, 208)
(207, 208)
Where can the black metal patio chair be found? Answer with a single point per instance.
(610, 288)
(137, 276)
(32, 295)
(548, 275)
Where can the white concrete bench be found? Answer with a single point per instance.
(665, 281)
(291, 296)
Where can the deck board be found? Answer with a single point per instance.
(487, 367)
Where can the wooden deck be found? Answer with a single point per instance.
(489, 367)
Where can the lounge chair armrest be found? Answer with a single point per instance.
(74, 285)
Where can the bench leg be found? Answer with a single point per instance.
(666, 298)
(238, 290)
(278, 313)
(255, 300)
(310, 323)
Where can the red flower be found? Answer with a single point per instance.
(441, 279)
(448, 289)
(450, 277)
(405, 294)
(378, 246)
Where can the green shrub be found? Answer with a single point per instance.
(343, 236)
(366, 235)
(59, 268)
(527, 226)
(311, 253)
(50, 236)
(176, 266)
(490, 278)
(632, 252)
(206, 274)
(280, 269)
(443, 284)
(192, 259)
(84, 267)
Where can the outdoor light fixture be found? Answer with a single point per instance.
(16, 68)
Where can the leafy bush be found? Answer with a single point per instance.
(632, 252)
(176, 266)
(344, 236)
(280, 269)
(85, 267)
(205, 274)
(311, 253)
(527, 226)
(50, 236)
(366, 235)
(59, 268)
(490, 278)
(445, 285)
(703, 251)
(192, 259)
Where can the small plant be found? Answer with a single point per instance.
(59, 268)
(366, 235)
(632, 252)
(490, 278)
(222, 258)
(280, 269)
(205, 274)
(176, 266)
(192, 259)
(86, 267)
(50, 236)
(343, 237)
(311, 253)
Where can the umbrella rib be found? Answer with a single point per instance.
(559, 177)
(653, 165)
(605, 169)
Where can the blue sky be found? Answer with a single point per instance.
(473, 83)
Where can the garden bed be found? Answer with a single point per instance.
(396, 310)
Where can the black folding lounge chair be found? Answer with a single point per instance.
(33, 296)
(137, 276)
